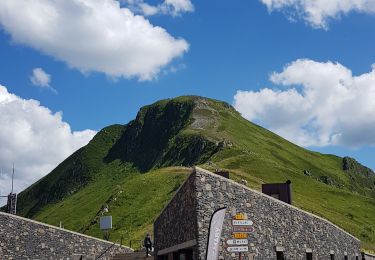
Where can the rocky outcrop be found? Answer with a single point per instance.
(350, 164)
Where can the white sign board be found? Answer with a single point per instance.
(243, 222)
(237, 241)
(237, 249)
(105, 222)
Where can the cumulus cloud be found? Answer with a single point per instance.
(92, 35)
(318, 12)
(42, 79)
(317, 103)
(172, 7)
(34, 138)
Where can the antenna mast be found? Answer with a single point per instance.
(12, 199)
(12, 179)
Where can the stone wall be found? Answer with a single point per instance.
(276, 224)
(22, 238)
(177, 223)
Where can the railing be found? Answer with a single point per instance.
(135, 243)
(106, 250)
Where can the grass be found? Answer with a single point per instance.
(133, 202)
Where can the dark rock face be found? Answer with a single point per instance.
(362, 179)
(22, 238)
(148, 135)
(154, 138)
(189, 150)
(350, 164)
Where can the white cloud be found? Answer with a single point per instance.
(172, 7)
(318, 12)
(321, 103)
(92, 35)
(176, 7)
(42, 79)
(34, 138)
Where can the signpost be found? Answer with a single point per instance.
(241, 228)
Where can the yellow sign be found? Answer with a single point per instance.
(239, 217)
(240, 235)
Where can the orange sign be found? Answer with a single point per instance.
(239, 217)
(240, 235)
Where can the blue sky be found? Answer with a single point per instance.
(280, 56)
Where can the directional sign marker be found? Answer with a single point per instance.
(237, 242)
(242, 229)
(239, 216)
(240, 235)
(237, 249)
(243, 222)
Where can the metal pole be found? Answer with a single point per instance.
(12, 178)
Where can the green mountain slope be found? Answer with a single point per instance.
(133, 170)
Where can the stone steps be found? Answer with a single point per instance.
(132, 256)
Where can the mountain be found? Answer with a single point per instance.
(132, 171)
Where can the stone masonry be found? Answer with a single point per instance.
(277, 225)
(22, 238)
(177, 222)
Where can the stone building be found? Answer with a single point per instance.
(275, 230)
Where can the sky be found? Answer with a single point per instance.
(301, 68)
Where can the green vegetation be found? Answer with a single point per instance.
(136, 168)
(133, 202)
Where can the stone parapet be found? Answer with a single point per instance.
(22, 238)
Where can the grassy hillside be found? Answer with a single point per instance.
(132, 201)
(136, 168)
